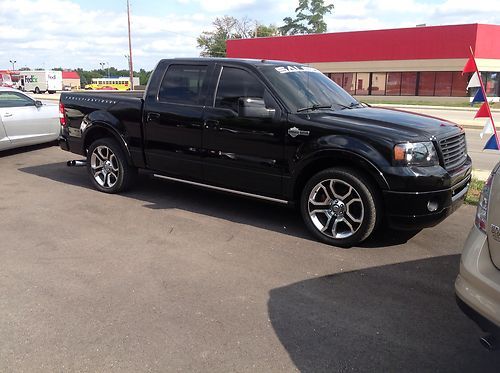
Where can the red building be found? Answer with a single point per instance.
(71, 80)
(419, 61)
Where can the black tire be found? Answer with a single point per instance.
(354, 217)
(109, 170)
(37, 90)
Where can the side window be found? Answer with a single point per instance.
(182, 84)
(14, 99)
(235, 83)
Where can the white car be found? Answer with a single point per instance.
(478, 284)
(25, 121)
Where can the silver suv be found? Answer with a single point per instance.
(478, 284)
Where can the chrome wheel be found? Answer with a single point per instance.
(105, 167)
(335, 208)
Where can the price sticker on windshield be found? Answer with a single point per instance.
(296, 69)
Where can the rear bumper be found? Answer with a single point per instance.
(63, 143)
(416, 210)
(478, 284)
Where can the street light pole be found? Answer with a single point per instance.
(13, 62)
(102, 65)
(108, 70)
(131, 67)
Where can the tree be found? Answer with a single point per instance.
(267, 31)
(213, 43)
(309, 18)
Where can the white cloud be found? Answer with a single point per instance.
(50, 33)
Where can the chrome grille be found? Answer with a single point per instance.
(454, 151)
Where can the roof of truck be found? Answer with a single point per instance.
(248, 61)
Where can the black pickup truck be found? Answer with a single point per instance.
(278, 131)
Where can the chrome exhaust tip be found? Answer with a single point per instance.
(76, 163)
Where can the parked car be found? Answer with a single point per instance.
(478, 284)
(25, 121)
(278, 131)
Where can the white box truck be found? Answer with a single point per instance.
(41, 81)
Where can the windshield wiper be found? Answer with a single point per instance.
(352, 105)
(314, 107)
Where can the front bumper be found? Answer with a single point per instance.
(478, 284)
(416, 210)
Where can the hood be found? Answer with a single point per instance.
(396, 124)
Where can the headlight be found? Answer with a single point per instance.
(415, 154)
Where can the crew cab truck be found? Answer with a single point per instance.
(278, 131)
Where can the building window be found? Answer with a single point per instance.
(362, 83)
(491, 83)
(426, 83)
(459, 84)
(337, 78)
(348, 83)
(393, 86)
(443, 84)
(378, 84)
(408, 84)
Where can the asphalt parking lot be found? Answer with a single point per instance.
(169, 277)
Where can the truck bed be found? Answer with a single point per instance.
(121, 111)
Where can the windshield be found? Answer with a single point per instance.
(303, 87)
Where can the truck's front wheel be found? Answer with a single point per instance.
(340, 206)
(108, 167)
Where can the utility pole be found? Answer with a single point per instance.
(108, 70)
(131, 67)
(13, 62)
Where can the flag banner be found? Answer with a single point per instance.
(474, 81)
(492, 143)
(484, 111)
(488, 128)
(470, 66)
(479, 96)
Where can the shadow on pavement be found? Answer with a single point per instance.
(162, 194)
(394, 318)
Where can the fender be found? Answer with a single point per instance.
(100, 121)
(336, 150)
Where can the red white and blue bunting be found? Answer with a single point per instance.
(484, 111)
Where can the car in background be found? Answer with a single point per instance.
(25, 121)
(478, 284)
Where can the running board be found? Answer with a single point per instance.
(223, 189)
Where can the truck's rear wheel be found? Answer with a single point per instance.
(37, 90)
(108, 167)
(339, 207)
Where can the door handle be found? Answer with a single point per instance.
(6, 115)
(294, 132)
(152, 116)
(214, 124)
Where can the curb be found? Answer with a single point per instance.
(481, 175)
(428, 107)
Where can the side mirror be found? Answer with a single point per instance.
(251, 107)
(38, 103)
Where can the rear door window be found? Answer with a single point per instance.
(183, 84)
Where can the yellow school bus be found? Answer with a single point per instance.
(113, 84)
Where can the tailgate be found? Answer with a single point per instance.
(494, 220)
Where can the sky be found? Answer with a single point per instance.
(84, 33)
